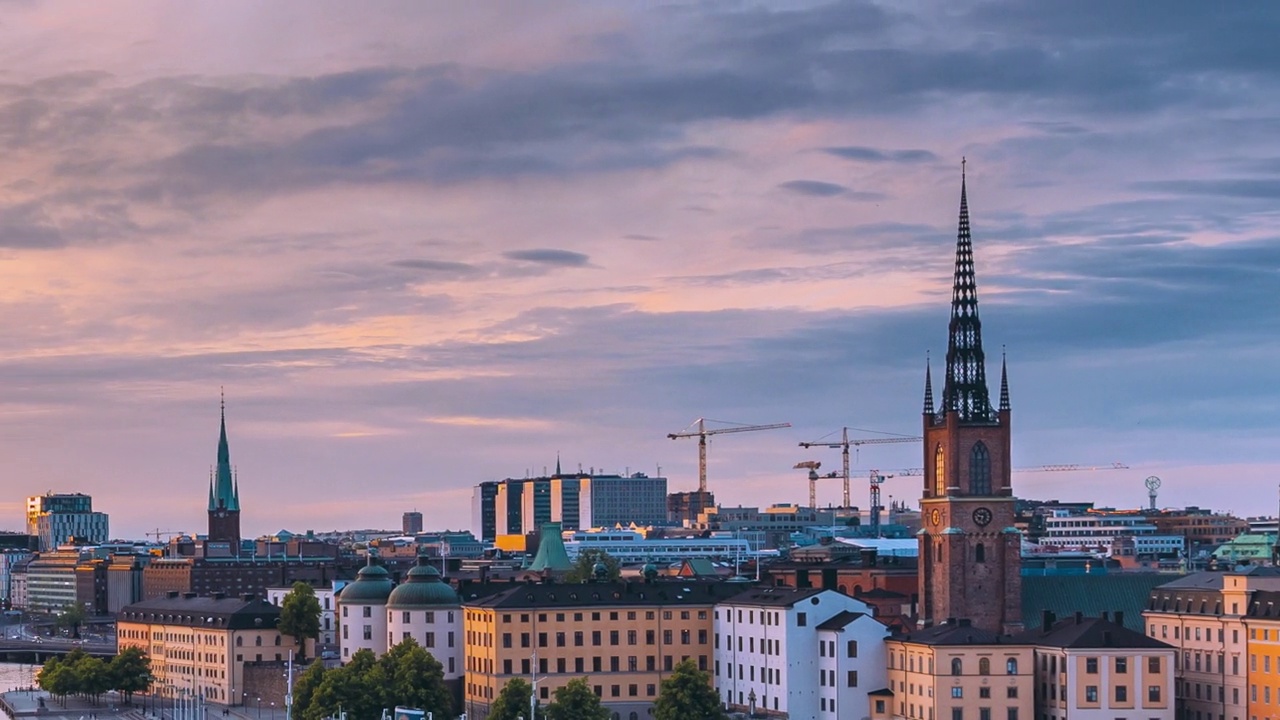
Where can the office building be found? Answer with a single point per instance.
(58, 519)
(411, 522)
(576, 501)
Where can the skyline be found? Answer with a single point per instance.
(433, 245)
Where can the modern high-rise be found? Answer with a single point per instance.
(224, 500)
(411, 522)
(577, 501)
(64, 518)
(970, 551)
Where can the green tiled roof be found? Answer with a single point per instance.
(1065, 595)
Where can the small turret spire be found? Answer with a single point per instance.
(557, 464)
(928, 386)
(1004, 382)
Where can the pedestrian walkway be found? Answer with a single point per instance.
(30, 703)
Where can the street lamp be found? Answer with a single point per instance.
(751, 698)
(259, 708)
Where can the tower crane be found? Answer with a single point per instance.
(813, 466)
(702, 432)
(844, 445)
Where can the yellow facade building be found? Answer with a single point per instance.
(625, 638)
(198, 645)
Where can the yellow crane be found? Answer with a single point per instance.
(702, 433)
(845, 443)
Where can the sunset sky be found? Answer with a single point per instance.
(427, 244)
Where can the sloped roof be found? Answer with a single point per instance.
(1093, 595)
(1089, 632)
(552, 555)
(779, 596)
(840, 621)
(959, 633)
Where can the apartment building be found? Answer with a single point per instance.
(625, 638)
(1097, 668)
(798, 653)
(1263, 650)
(198, 645)
(955, 671)
(1204, 617)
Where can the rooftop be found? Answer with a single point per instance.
(615, 594)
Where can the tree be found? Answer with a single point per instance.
(72, 616)
(130, 672)
(584, 568)
(305, 689)
(413, 677)
(687, 694)
(575, 700)
(300, 615)
(512, 701)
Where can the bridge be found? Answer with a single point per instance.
(15, 649)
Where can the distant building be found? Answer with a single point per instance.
(630, 547)
(10, 560)
(59, 519)
(1199, 527)
(201, 644)
(411, 523)
(576, 501)
(776, 523)
(1099, 530)
(683, 508)
(328, 615)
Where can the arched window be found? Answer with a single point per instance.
(257, 640)
(956, 667)
(1011, 666)
(980, 555)
(984, 666)
(635, 715)
(939, 472)
(979, 470)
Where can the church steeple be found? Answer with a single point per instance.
(224, 493)
(1004, 384)
(965, 391)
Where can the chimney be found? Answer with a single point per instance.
(868, 557)
(1106, 616)
(188, 596)
(172, 594)
(219, 596)
(951, 621)
(1046, 620)
(1079, 617)
(965, 622)
(1118, 618)
(247, 597)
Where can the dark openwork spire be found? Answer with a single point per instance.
(965, 392)
(1004, 383)
(225, 495)
(928, 387)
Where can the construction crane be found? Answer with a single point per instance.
(702, 433)
(813, 466)
(844, 445)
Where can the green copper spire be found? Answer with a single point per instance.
(223, 492)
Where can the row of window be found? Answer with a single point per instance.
(1011, 713)
(597, 637)
(544, 692)
(548, 666)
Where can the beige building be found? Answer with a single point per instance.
(198, 645)
(1096, 668)
(1203, 616)
(625, 638)
(955, 671)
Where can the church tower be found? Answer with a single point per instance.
(970, 552)
(224, 495)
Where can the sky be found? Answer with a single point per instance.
(426, 244)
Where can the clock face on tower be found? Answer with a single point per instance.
(982, 516)
(936, 517)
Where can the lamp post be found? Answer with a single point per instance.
(259, 708)
(751, 698)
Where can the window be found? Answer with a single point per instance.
(1153, 693)
(560, 665)
(613, 637)
(984, 692)
(651, 690)
(542, 639)
(1091, 693)
(984, 713)
(577, 638)
(852, 679)
(984, 666)
(579, 665)
(506, 667)
(939, 472)
(979, 470)
(1012, 714)
(632, 664)
(801, 619)
(368, 611)
(368, 632)
(852, 649)
(1011, 666)
(1011, 692)
(506, 640)
(614, 663)
(957, 713)
(632, 636)
(957, 668)
(1122, 693)
(1091, 665)
(957, 692)
(980, 553)
(1122, 665)
(650, 637)
(524, 640)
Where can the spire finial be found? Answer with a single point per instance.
(1004, 381)
(557, 463)
(928, 385)
(965, 391)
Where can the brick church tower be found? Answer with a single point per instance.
(224, 496)
(970, 552)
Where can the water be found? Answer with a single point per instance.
(17, 675)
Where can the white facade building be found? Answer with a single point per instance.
(630, 547)
(802, 653)
(328, 610)
(427, 610)
(1098, 532)
(362, 612)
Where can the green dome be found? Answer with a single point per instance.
(422, 587)
(372, 586)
